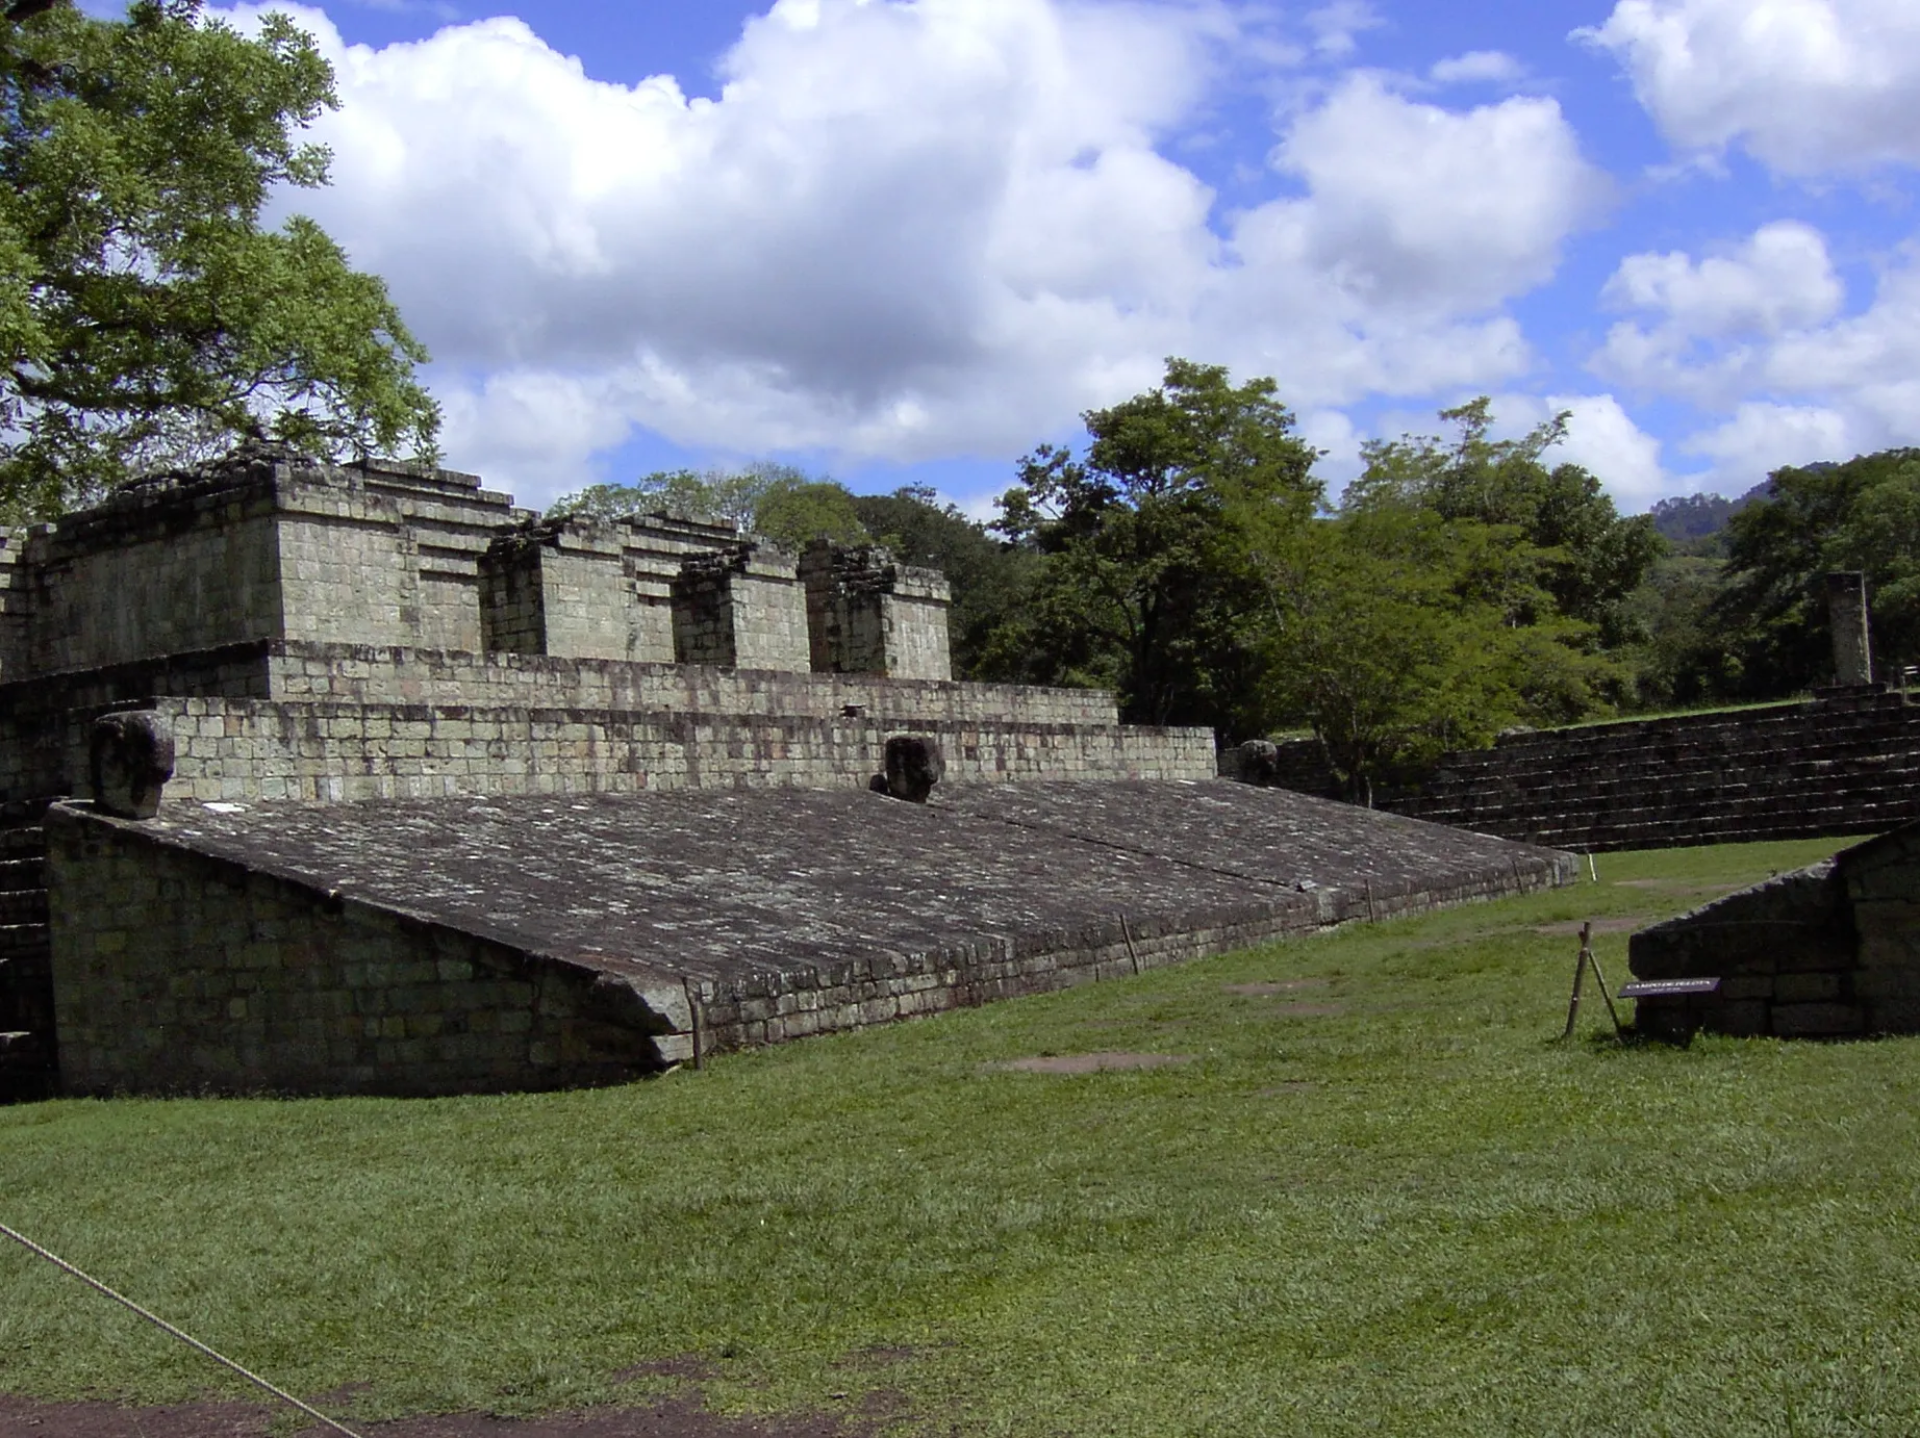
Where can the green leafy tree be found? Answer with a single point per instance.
(797, 513)
(714, 496)
(1574, 549)
(145, 317)
(1682, 660)
(1145, 585)
(779, 501)
(1772, 615)
(1384, 633)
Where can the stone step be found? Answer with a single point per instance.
(18, 1048)
(17, 940)
(1866, 751)
(27, 1068)
(23, 906)
(23, 841)
(1572, 809)
(26, 993)
(1659, 832)
(17, 874)
(1718, 786)
(1821, 729)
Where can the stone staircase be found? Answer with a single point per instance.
(1844, 764)
(27, 1058)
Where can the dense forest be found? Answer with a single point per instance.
(1188, 558)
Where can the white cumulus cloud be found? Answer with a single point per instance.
(908, 229)
(1806, 86)
(1780, 279)
(1601, 438)
(1477, 67)
(1761, 338)
(1763, 436)
(1416, 207)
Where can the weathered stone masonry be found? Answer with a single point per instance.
(1845, 764)
(460, 798)
(307, 633)
(530, 942)
(295, 988)
(1829, 951)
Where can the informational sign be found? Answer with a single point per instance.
(1660, 988)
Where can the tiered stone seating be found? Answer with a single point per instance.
(1849, 764)
(26, 984)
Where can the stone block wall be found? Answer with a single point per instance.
(655, 547)
(914, 621)
(96, 599)
(363, 674)
(1830, 951)
(777, 1007)
(13, 605)
(258, 546)
(868, 614)
(242, 750)
(1797, 771)
(741, 609)
(268, 546)
(290, 989)
(1882, 880)
(513, 617)
(28, 1058)
(44, 721)
(1836, 765)
(213, 950)
(558, 588)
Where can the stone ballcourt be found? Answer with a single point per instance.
(537, 941)
(461, 798)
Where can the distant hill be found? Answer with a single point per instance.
(1690, 518)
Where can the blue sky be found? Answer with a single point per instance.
(906, 240)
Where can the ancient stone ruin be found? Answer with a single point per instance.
(1845, 761)
(360, 779)
(1829, 951)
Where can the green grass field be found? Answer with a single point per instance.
(1382, 1201)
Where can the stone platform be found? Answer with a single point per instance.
(534, 941)
(1829, 951)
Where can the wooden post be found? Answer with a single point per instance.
(1132, 952)
(1579, 977)
(1606, 991)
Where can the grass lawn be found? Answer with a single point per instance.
(1382, 1200)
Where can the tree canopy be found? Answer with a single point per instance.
(1457, 589)
(1185, 557)
(1568, 540)
(1145, 586)
(1772, 617)
(779, 501)
(146, 319)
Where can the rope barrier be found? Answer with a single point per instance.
(166, 1327)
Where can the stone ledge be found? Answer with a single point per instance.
(778, 915)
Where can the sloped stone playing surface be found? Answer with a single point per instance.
(679, 920)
